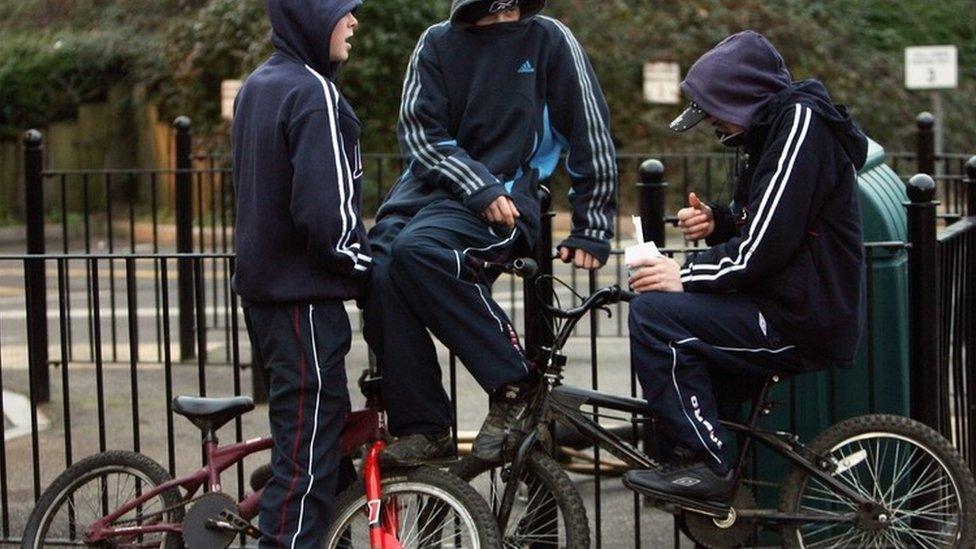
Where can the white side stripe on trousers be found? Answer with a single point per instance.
(681, 402)
(315, 427)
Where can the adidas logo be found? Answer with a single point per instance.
(526, 68)
(686, 481)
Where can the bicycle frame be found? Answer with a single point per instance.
(562, 403)
(362, 427)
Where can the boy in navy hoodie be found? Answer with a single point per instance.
(780, 289)
(301, 251)
(490, 99)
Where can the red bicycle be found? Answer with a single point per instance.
(125, 499)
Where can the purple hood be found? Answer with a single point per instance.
(735, 78)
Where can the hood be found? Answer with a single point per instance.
(733, 80)
(813, 94)
(466, 12)
(302, 29)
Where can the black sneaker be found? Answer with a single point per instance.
(507, 423)
(695, 482)
(417, 449)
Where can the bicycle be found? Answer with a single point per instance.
(129, 500)
(874, 480)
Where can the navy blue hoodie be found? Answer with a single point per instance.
(486, 112)
(297, 167)
(792, 238)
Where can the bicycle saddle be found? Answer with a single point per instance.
(211, 413)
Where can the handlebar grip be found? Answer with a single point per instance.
(525, 267)
(627, 295)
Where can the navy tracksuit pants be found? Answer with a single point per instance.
(302, 348)
(428, 275)
(698, 356)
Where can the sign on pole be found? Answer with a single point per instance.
(661, 83)
(228, 92)
(931, 68)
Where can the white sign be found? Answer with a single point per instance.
(228, 92)
(931, 68)
(661, 80)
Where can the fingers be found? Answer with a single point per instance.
(584, 260)
(493, 213)
(502, 212)
(687, 213)
(694, 202)
(565, 254)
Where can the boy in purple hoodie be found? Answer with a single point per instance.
(780, 289)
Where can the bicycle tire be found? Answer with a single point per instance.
(424, 480)
(91, 468)
(543, 471)
(931, 445)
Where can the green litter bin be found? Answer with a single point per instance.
(879, 381)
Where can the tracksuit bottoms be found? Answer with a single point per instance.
(302, 348)
(684, 346)
(429, 274)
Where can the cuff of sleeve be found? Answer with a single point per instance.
(479, 200)
(600, 249)
(724, 225)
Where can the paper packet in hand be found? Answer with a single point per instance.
(632, 254)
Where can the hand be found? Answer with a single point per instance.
(697, 221)
(581, 259)
(502, 212)
(658, 274)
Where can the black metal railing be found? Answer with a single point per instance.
(956, 257)
(98, 342)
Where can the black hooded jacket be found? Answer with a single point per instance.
(297, 167)
(792, 238)
(487, 112)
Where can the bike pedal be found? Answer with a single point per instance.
(235, 522)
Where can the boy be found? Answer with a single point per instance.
(490, 99)
(301, 251)
(780, 289)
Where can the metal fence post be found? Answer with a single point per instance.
(184, 234)
(538, 292)
(925, 123)
(34, 268)
(923, 302)
(971, 186)
(652, 194)
(651, 197)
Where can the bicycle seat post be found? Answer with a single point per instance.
(761, 407)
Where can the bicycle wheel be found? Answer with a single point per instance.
(95, 487)
(547, 511)
(427, 508)
(922, 490)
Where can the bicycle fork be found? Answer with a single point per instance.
(383, 523)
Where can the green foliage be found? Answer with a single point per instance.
(229, 38)
(45, 78)
(184, 48)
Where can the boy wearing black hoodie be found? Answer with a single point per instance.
(490, 99)
(780, 289)
(301, 251)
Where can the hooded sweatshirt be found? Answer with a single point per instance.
(792, 238)
(486, 112)
(297, 167)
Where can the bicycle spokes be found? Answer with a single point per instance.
(915, 500)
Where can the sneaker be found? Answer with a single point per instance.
(696, 482)
(508, 422)
(417, 449)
